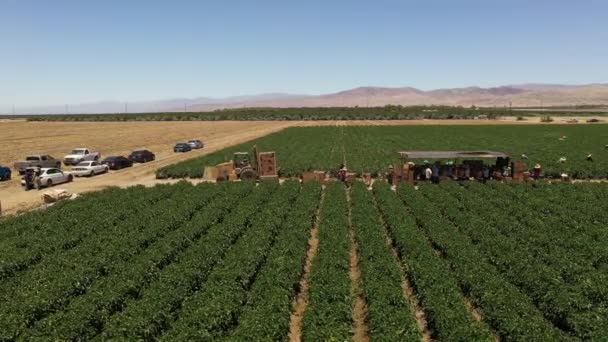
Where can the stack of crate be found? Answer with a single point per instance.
(267, 163)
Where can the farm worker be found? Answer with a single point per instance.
(523, 156)
(37, 180)
(564, 176)
(486, 173)
(589, 157)
(342, 173)
(435, 173)
(29, 179)
(390, 174)
(563, 137)
(562, 159)
(536, 171)
(428, 173)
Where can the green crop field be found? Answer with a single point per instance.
(501, 261)
(373, 148)
(388, 112)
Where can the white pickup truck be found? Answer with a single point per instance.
(79, 155)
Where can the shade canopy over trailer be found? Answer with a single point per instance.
(405, 170)
(451, 154)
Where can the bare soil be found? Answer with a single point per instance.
(408, 292)
(111, 138)
(301, 301)
(359, 306)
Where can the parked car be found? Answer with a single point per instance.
(182, 147)
(89, 168)
(5, 173)
(37, 160)
(195, 143)
(142, 156)
(79, 155)
(49, 176)
(117, 162)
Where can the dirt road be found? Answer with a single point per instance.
(18, 138)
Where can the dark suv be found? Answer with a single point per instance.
(142, 156)
(117, 162)
(182, 147)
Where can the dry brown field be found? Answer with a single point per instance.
(19, 138)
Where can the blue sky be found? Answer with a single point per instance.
(74, 51)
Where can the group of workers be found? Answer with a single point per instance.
(31, 178)
(433, 172)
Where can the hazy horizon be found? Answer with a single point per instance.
(74, 52)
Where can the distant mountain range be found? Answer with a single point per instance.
(524, 95)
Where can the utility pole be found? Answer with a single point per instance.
(185, 107)
(126, 107)
(67, 110)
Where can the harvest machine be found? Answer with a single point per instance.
(248, 166)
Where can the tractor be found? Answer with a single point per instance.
(244, 166)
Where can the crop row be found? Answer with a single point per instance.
(214, 310)
(86, 315)
(31, 238)
(328, 315)
(577, 214)
(566, 306)
(390, 317)
(151, 313)
(266, 315)
(70, 274)
(439, 291)
(373, 148)
(508, 310)
(568, 232)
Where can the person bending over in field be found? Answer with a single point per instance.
(589, 157)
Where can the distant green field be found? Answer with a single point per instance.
(388, 112)
(373, 148)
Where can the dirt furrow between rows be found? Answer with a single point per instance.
(301, 300)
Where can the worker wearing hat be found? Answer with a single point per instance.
(536, 171)
(589, 157)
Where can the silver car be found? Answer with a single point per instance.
(47, 177)
(195, 143)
